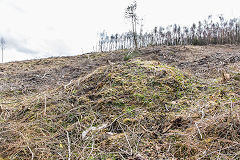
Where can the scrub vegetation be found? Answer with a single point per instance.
(174, 102)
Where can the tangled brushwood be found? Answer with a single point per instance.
(136, 109)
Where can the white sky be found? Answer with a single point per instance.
(45, 28)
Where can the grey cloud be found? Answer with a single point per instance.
(18, 44)
(49, 47)
(25, 50)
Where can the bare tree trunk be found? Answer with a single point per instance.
(134, 32)
(2, 54)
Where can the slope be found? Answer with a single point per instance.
(139, 109)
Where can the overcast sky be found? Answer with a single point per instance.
(45, 28)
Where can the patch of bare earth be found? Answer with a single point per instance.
(169, 102)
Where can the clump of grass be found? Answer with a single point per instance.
(122, 110)
(130, 54)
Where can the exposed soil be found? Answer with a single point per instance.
(45, 73)
(178, 102)
(203, 61)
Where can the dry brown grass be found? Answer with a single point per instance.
(136, 109)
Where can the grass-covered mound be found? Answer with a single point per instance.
(136, 109)
(116, 111)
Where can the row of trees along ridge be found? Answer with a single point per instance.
(220, 31)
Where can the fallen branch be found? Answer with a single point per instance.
(45, 104)
(31, 152)
(69, 146)
(199, 131)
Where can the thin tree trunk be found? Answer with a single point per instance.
(134, 32)
(2, 54)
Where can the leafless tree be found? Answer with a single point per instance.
(2, 45)
(221, 31)
(130, 13)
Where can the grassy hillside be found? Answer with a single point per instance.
(168, 102)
